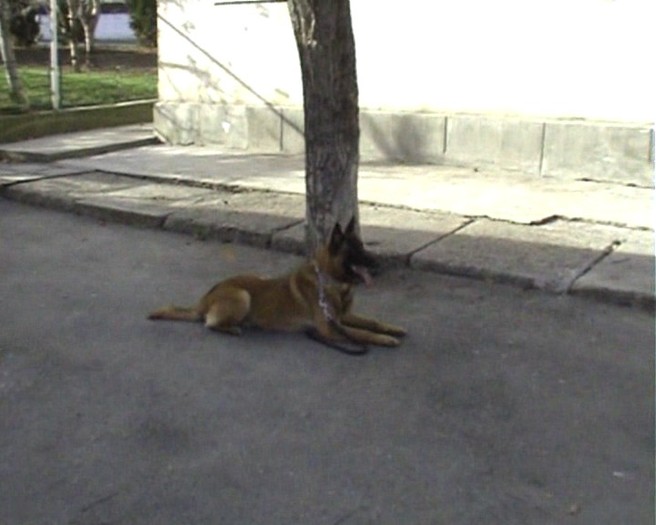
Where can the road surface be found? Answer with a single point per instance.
(501, 406)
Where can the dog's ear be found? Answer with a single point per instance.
(336, 239)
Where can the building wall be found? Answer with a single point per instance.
(426, 68)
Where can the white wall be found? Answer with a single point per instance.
(555, 58)
(565, 58)
(249, 46)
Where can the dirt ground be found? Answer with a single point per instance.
(105, 56)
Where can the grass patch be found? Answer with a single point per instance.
(87, 88)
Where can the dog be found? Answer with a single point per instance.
(316, 298)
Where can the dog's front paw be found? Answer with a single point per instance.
(386, 340)
(396, 331)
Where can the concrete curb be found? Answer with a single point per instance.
(436, 242)
(45, 123)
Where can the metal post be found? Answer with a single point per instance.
(55, 94)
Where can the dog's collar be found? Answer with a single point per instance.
(328, 314)
(321, 285)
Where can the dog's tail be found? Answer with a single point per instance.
(176, 313)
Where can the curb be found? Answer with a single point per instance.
(286, 237)
(44, 123)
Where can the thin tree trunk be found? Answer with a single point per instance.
(73, 6)
(88, 41)
(89, 13)
(16, 90)
(326, 47)
(73, 51)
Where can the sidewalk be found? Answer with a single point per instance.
(561, 236)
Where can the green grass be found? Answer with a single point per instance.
(86, 88)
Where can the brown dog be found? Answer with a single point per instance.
(316, 298)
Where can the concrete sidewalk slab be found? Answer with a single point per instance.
(79, 144)
(549, 257)
(600, 202)
(506, 196)
(559, 235)
(627, 273)
(208, 165)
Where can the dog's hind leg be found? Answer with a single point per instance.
(228, 312)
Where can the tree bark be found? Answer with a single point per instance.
(86, 12)
(326, 48)
(16, 89)
(89, 11)
(71, 16)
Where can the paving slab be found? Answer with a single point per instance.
(600, 202)
(241, 217)
(626, 274)
(506, 196)
(549, 256)
(79, 144)
(207, 165)
(500, 195)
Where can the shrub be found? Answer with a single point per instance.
(23, 25)
(143, 20)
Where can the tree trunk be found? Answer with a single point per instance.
(326, 47)
(16, 90)
(72, 37)
(89, 13)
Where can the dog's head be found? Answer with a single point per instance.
(344, 257)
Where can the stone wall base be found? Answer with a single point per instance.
(579, 149)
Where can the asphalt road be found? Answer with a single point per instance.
(502, 406)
